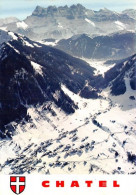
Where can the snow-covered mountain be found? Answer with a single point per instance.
(28, 67)
(52, 111)
(114, 46)
(5, 36)
(4, 21)
(130, 12)
(64, 22)
(121, 76)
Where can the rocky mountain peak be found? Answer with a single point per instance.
(78, 6)
(105, 10)
(61, 11)
(130, 12)
(38, 11)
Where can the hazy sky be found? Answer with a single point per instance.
(23, 8)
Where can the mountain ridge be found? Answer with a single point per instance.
(64, 22)
(41, 70)
(44, 69)
(112, 46)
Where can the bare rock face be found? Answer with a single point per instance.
(75, 11)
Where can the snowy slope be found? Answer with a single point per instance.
(74, 144)
(98, 138)
(22, 25)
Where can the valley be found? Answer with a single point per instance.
(97, 138)
(67, 97)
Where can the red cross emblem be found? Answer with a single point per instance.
(17, 184)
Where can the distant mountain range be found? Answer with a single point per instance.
(4, 21)
(113, 46)
(64, 22)
(130, 12)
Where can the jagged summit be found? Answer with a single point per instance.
(63, 11)
(104, 10)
